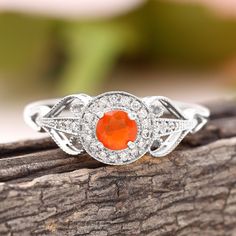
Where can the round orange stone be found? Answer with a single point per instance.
(115, 129)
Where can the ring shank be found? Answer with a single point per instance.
(201, 110)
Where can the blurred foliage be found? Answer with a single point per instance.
(81, 54)
(93, 48)
(23, 47)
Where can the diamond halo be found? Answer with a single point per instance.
(111, 101)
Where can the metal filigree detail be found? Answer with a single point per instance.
(170, 131)
(63, 124)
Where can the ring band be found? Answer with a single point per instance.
(116, 127)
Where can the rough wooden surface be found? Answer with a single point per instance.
(190, 192)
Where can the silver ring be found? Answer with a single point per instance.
(116, 127)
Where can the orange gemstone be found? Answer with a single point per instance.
(115, 129)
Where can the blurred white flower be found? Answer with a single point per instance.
(77, 9)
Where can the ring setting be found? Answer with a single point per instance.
(121, 134)
(116, 128)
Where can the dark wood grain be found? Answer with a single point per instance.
(192, 191)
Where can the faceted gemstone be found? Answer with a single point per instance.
(115, 129)
(143, 113)
(135, 105)
(76, 108)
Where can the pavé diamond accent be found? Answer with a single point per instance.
(76, 108)
(143, 113)
(166, 126)
(66, 125)
(136, 105)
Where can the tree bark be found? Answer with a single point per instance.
(192, 191)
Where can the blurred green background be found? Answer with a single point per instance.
(183, 50)
(67, 56)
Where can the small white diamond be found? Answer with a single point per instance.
(95, 108)
(123, 156)
(101, 106)
(134, 152)
(172, 125)
(132, 116)
(145, 133)
(87, 129)
(67, 124)
(93, 148)
(74, 127)
(141, 143)
(143, 113)
(131, 144)
(87, 138)
(100, 145)
(100, 114)
(135, 105)
(114, 98)
(141, 151)
(61, 124)
(145, 124)
(88, 117)
(125, 101)
(104, 100)
(51, 123)
(76, 108)
(157, 109)
(103, 155)
(113, 157)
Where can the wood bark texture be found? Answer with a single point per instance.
(192, 191)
